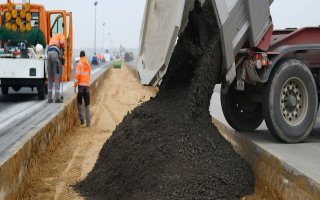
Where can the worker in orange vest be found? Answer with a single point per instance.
(54, 65)
(82, 81)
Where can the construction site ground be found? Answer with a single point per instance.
(74, 156)
(70, 159)
(290, 171)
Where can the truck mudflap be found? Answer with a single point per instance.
(240, 21)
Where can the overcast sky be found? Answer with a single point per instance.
(124, 17)
(123, 20)
(295, 13)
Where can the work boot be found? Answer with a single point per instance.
(50, 97)
(59, 100)
(82, 124)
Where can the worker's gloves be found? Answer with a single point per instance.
(62, 61)
(75, 85)
(61, 57)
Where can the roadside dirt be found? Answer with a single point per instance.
(168, 148)
(262, 192)
(75, 155)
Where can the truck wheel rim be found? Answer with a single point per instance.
(294, 101)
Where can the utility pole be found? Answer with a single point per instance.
(109, 41)
(104, 24)
(95, 27)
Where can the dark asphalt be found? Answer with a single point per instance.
(21, 113)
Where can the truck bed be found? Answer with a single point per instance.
(240, 21)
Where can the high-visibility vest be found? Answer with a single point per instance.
(57, 40)
(83, 72)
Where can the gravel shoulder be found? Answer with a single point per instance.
(74, 156)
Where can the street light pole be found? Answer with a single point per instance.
(95, 27)
(109, 42)
(104, 24)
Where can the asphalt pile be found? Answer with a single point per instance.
(168, 148)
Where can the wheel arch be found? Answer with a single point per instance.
(282, 56)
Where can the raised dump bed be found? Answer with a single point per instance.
(238, 20)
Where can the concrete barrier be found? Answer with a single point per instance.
(15, 169)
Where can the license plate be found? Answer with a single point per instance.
(240, 85)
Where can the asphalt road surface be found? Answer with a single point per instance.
(21, 112)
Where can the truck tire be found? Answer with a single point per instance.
(5, 90)
(291, 101)
(41, 92)
(16, 88)
(240, 112)
(46, 89)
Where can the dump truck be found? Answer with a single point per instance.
(25, 31)
(267, 74)
(128, 57)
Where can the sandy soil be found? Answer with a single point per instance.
(262, 192)
(76, 155)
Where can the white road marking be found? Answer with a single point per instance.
(15, 115)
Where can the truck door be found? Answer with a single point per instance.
(58, 23)
(69, 38)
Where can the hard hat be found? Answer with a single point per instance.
(10, 6)
(8, 16)
(22, 14)
(18, 21)
(22, 28)
(39, 49)
(14, 27)
(14, 13)
(8, 26)
(28, 17)
(28, 27)
(27, 7)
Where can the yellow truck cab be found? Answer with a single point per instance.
(25, 32)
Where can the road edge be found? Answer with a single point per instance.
(16, 168)
(282, 178)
